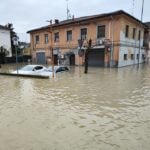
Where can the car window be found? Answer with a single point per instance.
(66, 68)
(38, 68)
(59, 69)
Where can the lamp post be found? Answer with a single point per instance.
(140, 32)
(51, 47)
(15, 42)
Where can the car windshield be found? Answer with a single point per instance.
(27, 68)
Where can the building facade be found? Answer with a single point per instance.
(117, 40)
(5, 40)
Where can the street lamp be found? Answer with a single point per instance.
(15, 42)
(52, 53)
(140, 32)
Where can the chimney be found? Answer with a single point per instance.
(56, 21)
(73, 17)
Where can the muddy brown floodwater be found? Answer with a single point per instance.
(107, 109)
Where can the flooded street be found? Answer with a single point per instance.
(107, 109)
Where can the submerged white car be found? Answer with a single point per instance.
(33, 70)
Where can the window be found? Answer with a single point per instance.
(56, 37)
(125, 56)
(101, 31)
(132, 56)
(69, 35)
(46, 38)
(83, 33)
(143, 57)
(137, 56)
(37, 68)
(37, 39)
(134, 32)
(139, 35)
(127, 31)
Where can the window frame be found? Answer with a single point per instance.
(127, 31)
(69, 36)
(125, 57)
(134, 33)
(132, 56)
(46, 38)
(139, 35)
(37, 39)
(56, 37)
(102, 35)
(83, 36)
(137, 56)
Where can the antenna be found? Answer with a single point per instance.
(68, 11)
(133, 4)
(142, 10)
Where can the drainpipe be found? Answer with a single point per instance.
(112, 39)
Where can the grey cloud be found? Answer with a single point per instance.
(29, 14)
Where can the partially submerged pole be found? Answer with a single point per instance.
(87, 56)
(86, 60)
(15, 42)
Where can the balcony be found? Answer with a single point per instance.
(102, 42)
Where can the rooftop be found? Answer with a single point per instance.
(86, 18)
(147, 24)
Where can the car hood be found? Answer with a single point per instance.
(42, 73)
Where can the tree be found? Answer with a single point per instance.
(12, 34)
(87, 56)
(3, 54)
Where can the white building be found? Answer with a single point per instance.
(5, 40)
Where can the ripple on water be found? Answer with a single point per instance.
(105, 109)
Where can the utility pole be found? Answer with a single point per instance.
(68, 11)
(15, 42)
(51, 47)
(140, 32)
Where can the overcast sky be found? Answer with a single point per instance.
(29, 14)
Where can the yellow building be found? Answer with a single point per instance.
(117, 40)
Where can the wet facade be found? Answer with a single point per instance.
(117, 41)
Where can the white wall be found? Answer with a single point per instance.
(5, 40)
(130, 47)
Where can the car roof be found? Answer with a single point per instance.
(34, 65)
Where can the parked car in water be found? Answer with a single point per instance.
(58, 69)
(33, 70)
